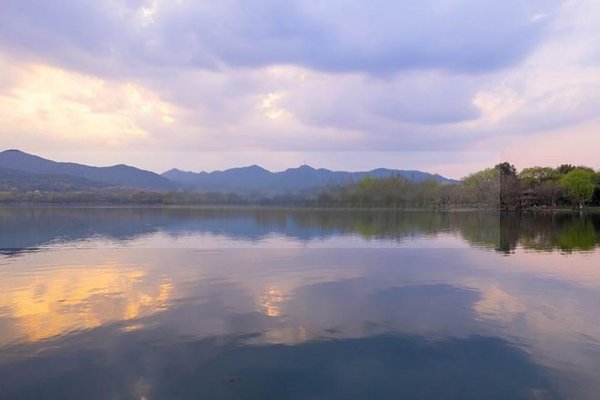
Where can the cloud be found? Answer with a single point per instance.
(354, 100)
(265, 75)
(556, 87)
(53, 105)
(379, 37)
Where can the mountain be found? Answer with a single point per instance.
(255, 178)
(22, 171)
(11, 180)
(118, 175)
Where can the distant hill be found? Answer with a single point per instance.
(11, 179)
(22, 171)
(118, 175)
(258, 179)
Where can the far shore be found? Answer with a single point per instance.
(296, 207)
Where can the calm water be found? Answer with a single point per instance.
(246, 304)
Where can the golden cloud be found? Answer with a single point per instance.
(66, 105)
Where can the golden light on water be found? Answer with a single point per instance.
(497, 304)
(271, 301)
(52, 303)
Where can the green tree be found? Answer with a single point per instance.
(367, 181)
(535, 176)
(579, 185)
(482, 188)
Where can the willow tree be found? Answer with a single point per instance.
(579, 185)
(483, 188)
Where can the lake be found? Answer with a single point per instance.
(182, 303)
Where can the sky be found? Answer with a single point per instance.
(447, 86)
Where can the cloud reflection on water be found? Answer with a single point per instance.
(108, 300)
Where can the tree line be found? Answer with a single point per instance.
(499, 187)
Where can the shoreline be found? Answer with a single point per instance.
(594, 209)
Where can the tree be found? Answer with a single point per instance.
(565, 169)
(535, 176)
(579, 185)
(548, 193)
(596, 199)
(506, 169)
(510, 187)
(542, 187)
(482, 188)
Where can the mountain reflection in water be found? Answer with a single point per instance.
(106, 303)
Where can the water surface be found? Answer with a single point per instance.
(134, 303)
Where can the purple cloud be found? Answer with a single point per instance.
(379, 37)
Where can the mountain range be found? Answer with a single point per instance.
(257, 179)
(22, 171)
(115, 176)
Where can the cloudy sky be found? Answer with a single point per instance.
(448, 86)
